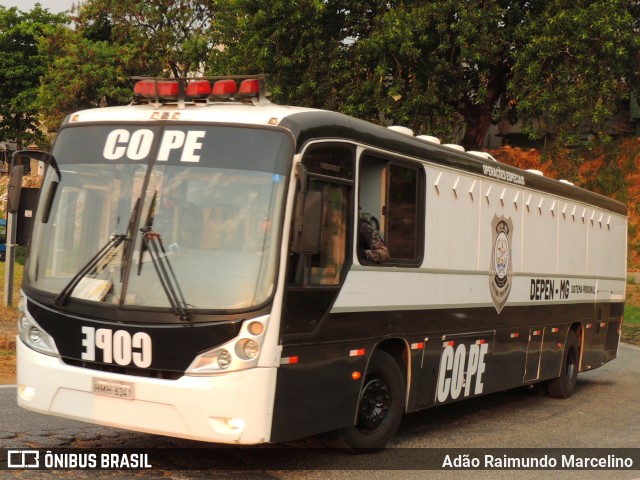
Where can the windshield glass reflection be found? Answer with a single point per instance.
(211, 222)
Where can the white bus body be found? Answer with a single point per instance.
(496, 277)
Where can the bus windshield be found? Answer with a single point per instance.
(149, 216)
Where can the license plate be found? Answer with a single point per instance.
(112, 388)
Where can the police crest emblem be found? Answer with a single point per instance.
(500, 269)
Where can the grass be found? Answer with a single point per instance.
(631, 324)
(632, 314)
(631, 334)
(9, 314)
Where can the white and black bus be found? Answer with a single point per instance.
(194, 271)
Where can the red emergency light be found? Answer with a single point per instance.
(165, 89)
(198, 89)
(183, 90)
(224, 89)
(249, 88)
(145, 88)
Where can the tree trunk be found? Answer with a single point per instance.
(477, 117)
(477, 120)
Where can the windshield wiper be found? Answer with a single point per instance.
(62, 297)
(148, 225)
(127, 246)
(168, 279)
(152, 242)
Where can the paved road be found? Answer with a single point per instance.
(603, 413)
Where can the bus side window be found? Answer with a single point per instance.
(330, 171)
(402, 235)
(326, 266)
(390, 192)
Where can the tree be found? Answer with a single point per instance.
(447, 68)
(112, 41)
(167, 35)
(436, 67)
(295, 42)
(576, 65)
(83, 73)
(444, 68)
(22, 66)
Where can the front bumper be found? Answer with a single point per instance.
(234, 408)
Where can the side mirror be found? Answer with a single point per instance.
(21, 157)
(39, 155)
(15, 187)
(18, 167)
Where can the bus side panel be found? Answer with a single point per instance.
(529, 351)
(455, 367)
(517, 356)
(525, 345)
(552, 351)
(498, 366)
(601, 336)
(315, 391)
(593, 347)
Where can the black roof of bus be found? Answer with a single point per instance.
(320, 124)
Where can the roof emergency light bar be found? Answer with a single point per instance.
(183, 90)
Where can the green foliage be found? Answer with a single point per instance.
(443, 68)
(22, 66)
(631, 324)
(632, 229)
(630, 334)
(575, 64)
(82, 74)
(114, 40)
(296, 42)
(21, 254)
(436, 67)
(610, 181)
(171, 36)
(632, 314)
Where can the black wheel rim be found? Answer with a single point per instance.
(374, 405)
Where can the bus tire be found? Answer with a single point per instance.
(564, 385)
(380, 406)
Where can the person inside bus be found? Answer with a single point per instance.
(179, 222)
(223, 230)
(370, 245)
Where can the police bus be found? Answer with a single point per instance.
(194, 272)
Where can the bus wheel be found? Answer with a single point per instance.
(564, 385)
(380, 406)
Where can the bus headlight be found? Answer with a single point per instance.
(210, 362)
(247, 349)
(224, 359)
(33, 335)
(23, 322)
(240, 353)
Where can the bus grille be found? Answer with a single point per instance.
(132, 371)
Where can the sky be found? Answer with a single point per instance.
(54, 6)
